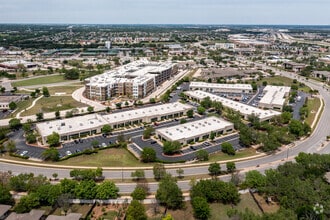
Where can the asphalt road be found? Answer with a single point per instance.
(312, 144)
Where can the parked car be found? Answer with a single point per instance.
(68, 153)
(24, 152)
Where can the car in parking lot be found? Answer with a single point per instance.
(23, 153)
(68, 153)
(104, 145)
(153, 142)
(206, 144)
(193, 148)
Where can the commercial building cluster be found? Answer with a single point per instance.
(136, 80)
(82, 126)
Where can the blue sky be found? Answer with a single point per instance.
(166, 11)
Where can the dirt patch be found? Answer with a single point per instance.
(157, 212)
(110, 211)
(267, 207)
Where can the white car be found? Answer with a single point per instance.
(68, 153)
(104, 145)
(24, 152)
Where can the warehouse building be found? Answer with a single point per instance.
(274, 97)
(222, 88)
(147, 115)
(71, 128)
(136, 79)
(195, 131)
(82, 126)
(245, 110)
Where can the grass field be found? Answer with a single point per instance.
(221, 156)
(39, 81)
(281, 81)
(313, 106)
(52, 104)
(219, 211)
(110, 157)
(63, 89)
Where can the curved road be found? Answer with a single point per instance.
(310, 145)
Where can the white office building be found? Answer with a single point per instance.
(195, 131)
(274, 97)
(245, 110)
(82, 126)
(222, 88)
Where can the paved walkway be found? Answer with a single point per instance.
(18, 115)
(78, 96)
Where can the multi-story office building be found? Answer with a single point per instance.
(136, 80)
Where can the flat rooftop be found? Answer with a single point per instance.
(9, 98)
(237, 106)
(220, 86)
(164, 109)
(70, 216)
(71, 125)
(274, 95)
(194, 129)
(34, 214)
(4, 209)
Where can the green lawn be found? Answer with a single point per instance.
(241, 154)
(115, 157)
(313, 106)
(39, 81)
(52, 104)
(281, 81)
(219, 211)
(111, 215)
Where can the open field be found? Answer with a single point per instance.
(39, 81)
(313, 105)
(115, 157)
(219, 211)
(240, 154)
(68, 90)
(280, 81)
(52, 104)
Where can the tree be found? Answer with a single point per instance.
(45, 92)
(40, 116)
(63, 201)
(201, 110)
(183, 120)
(107, 190)
(168, 217)
(138, 174)
(159, 171)
(51, 154)
(190, 113)
(254, 179)
(106, 129)
(136, 211)
(202, 155)
(12, 105)
(48, 194)
(27, 203)
(90, 109)
(68, 186)
(171, 147)
(31, 138)
(152, 100)
(148, 155)
(55, 175)
(212, 135)
(139, 193)
(201, 208)
(148, 131)
(57, 114)
(118, 105)
(5, 196)
(71, 74)
(214, 169)
(14, 123)
(95, 143)
(27, 127)
(53, 139)
(228, 148)
(169, 194)
(231, 167)
(86, 189)
(11, 146)
(180, 172)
